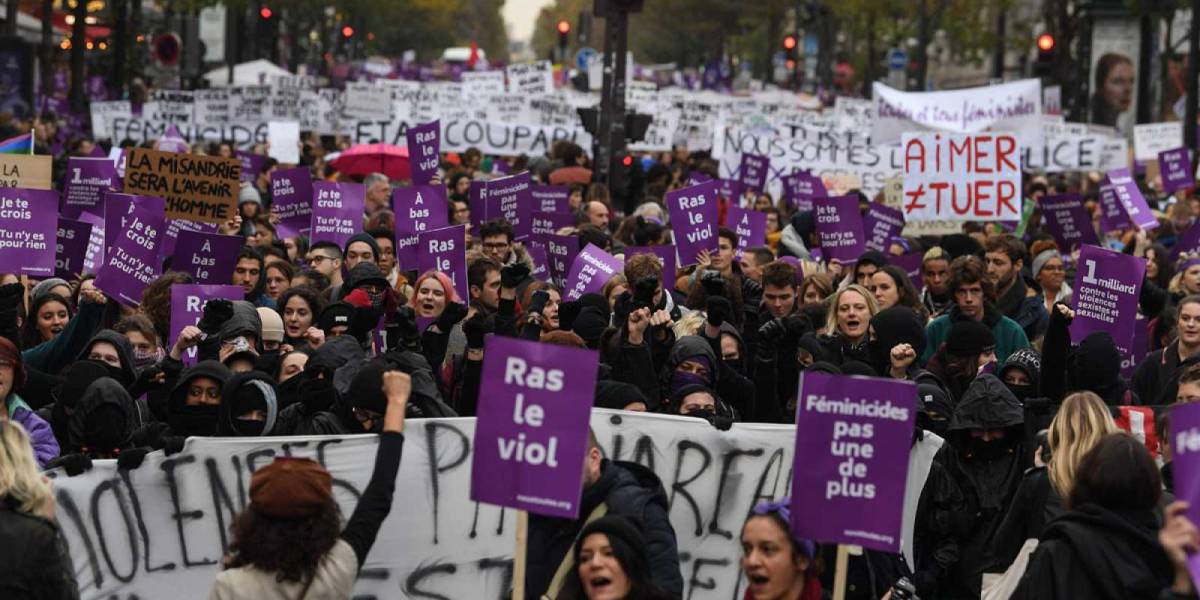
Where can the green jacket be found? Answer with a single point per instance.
(1009, 335)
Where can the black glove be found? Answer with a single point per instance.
(73, 464)
(363, 321)
(538, 302)
(149, 434)
(796, 326)
(476, 329)
(131, 458)
(719, 310)
(643, 291)
(567, 312)
(173, 444)
(624, 305)
(451, 315)
(406, 328)
(769, 336)
(512, 275)
(216, 313)
(713, 283)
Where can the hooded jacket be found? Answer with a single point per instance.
(244, 320)
(987, 475)
(735, 390)
(1009, 335)
(1096, 553)
(126, 373)
(104, 419)
(187, 420)
(628, 489)
(254, 385)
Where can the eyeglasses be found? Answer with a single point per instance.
(365, 415)
(316, 259)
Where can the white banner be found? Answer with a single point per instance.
(160, 531)
(489, 137)
(1014, 107)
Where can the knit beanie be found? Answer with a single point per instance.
(969, 337)
(44, 286)
(272, 324)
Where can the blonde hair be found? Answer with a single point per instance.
(1081, 422)
(689, 324)
(831, 313)
(20, 479)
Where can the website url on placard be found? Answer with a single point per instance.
(887, 539)
(544, 502)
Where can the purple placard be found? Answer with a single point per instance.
(337, 211)
(291, 200)
(187, 306)
(800, 188)
(532, 427)
(418, 209)
(851, 461)
(508, 198)
(749, 225)
(1112, 214)
(207, 257)
(171, 235)
(693, 212)
(1175, 166)
(697, 178)
(1185, 460)
(172, 141)
(85, 183)
(1067, 220)
(501, 166)
(551, 198)
(839, 226)
(1131, 199)
(752, 173)
(118, 207)
(591, 269)
(252, 165)
(537, 255)
(445, 250)
(730, 190)
(912, 265)
(1137, 351)
(28, 229)
(131, 262)
(476, 193)
(424, 146)
(548, 223)
(1188, 242)
(665, 254)
(71, 248)
(1107, 285)
(93, 259)
(561, 251)
(880, 225)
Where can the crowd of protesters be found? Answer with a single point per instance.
(1020, 415)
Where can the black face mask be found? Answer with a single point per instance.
(735, 365)
(288, 392)
(1023, 391)
(937, 426)
(249, 428)
(981, 450)
(200, 419)
(316, 394)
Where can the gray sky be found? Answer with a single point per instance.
(520, 15)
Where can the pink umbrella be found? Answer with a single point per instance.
(365, 159)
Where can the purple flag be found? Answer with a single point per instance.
(750, 227)
(187, 306)
(548, 223)
(291, 200)
(851, 463)
(840, 228)
(1175, 166)
(1185, 459)
(337, 211)
(1068, 221)
(476, 195)
(131, 262)
(591, 269)
(752, 173)
(1107, 285)
(418, 209)
(445, 250)
(551, 198)
(252, 165)
(532, 427)
(72, 247)
(665, 254)
(880, 225)
(424, 146)
(207, 257)
(28, 229)
(509, 199)
(561, 250)
(1131, 199)
(693, 212)
(84, 185)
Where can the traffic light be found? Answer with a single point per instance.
(791, 60)
(265, 13)
(564, 29)
(347, 32)
(1044, 65)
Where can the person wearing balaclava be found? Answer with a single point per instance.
(693, 362)
(700, 402)
(192, 409)
(75, 380)
(934, 542)
(101, 427)
(984, 457)
(115, 351)
(272, 338)
(249, 405)
(889, 329)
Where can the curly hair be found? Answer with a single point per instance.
(156, 301)
(292, 549)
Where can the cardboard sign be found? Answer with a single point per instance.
(291, 200)
(72, 246)
(424, 146)
(187, 307)
(852, 444)
(1107, 285)
(28, 228)
(693, 212)
(840, 229)
(207, 257)
(591, 269)
(1149, 139)
(962, 177)
(196, 188)
(337, 211)
(29, 172)
(1068, 221)
(1015, 106)
(445, 250)
(880, 225)
(532, 428)
(283, 139)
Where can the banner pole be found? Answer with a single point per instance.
(519, 557)
(839, 574)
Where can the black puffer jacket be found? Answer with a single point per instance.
(34, 563)
(630, 490)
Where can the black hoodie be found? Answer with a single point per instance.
(243, 392)
(126, 373)
(104, 419)
(199, 420)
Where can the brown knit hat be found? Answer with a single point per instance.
(291, 488)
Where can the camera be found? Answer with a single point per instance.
(904, 589)
(643, 292)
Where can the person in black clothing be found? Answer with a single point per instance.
(1094, 365)
(287, 541)
(616, 488)
(1105, 547)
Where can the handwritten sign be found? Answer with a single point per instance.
(196, 188)
(960, 177)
